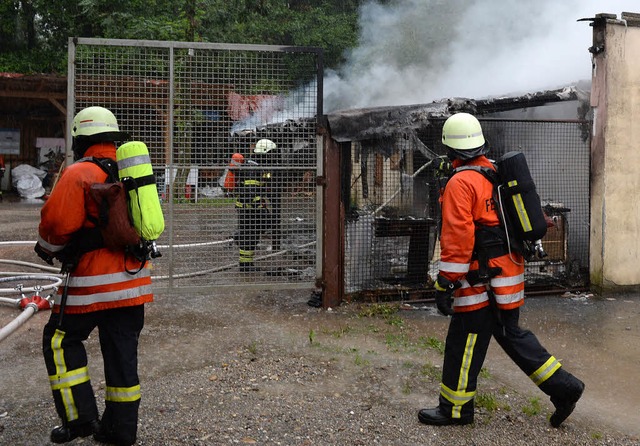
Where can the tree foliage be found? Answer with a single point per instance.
(35, 32)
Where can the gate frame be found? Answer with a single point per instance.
(73, 42)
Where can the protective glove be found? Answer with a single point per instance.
(443, 167)
(44, 254)
(444, 295)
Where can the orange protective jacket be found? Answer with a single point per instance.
(100, 280)
(468, 200)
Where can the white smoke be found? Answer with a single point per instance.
(419, 51)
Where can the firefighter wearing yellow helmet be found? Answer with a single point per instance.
(481, 286)
(100, 293)
(252, 204)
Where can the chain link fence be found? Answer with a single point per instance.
(392, 217)
(195, 105)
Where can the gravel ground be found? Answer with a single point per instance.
(265, 368)
(251, 367)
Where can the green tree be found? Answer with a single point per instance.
(35, 32)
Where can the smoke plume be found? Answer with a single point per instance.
(419, 51)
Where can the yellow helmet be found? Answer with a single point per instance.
(462, 131)
(93, 121)
(264, 146)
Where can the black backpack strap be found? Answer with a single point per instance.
(487, 172)
(108, 165)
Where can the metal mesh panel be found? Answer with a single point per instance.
(391, 228)
(195, 105)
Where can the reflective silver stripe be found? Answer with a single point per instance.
(107, 279)
(111, 296)
(48, 246)
(509, 298)
(457, 398)
(451, 267)
(83, 124)
(123, 394)
(507, 281)
(545, 371)
(465, 136)
(133, 161)
(69, 379)
(465, 301)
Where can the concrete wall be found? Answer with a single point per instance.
(615, 154)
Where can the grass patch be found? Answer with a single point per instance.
(252, 348)
(395, 342)
(533, 408)
(383, 311)
(433, 343)
(431, 371)
(340, 332)
(487, 401)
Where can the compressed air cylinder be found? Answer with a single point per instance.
(520, 199)
(136, 172)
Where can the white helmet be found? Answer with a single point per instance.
(93, 121)
(264, 146)
(461, 132)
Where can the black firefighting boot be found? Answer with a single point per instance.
(434, 417)
(565, 405)
(66, 433)
(111, 434)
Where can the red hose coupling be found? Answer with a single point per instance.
(39, 302)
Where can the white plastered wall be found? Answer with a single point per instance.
(615, 156)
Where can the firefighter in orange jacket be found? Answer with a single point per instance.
(473, 248)
(101, 293)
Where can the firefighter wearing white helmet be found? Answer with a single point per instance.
(481, 286)
(264, 146)
(101, 292)
(252, 204)
(92, 125)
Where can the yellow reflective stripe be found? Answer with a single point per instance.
(246, 255)
(58, 353)
(69, 379)
(523, 216)
(66, 395)
(545, 371)
(461, 396)
(438, 287)
(457, 397)
(452, 267)
(123, 394)
(252, 183)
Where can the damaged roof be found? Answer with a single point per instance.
(384, 122)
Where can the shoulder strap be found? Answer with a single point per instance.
(109, 166)
(487, 172)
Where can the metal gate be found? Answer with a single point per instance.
(391, 227)
(194, 105)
